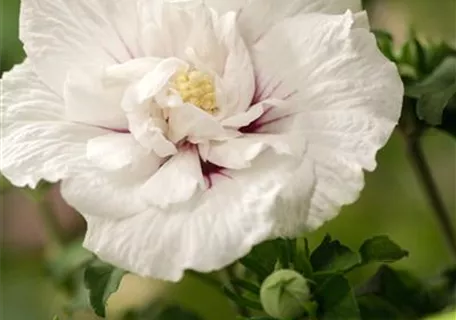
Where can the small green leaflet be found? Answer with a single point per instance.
(381, 249)
(337, 300)
(333, 256)
(435, 92)
(102, 280)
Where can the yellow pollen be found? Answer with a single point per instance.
(197, 88)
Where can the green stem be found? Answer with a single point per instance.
(229, 276)
(423, 172)
(413, 129)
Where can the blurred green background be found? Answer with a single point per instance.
(392, 202)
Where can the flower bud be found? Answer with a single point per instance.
(284, 293)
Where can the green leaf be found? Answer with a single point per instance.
(158, 310)
(336, 300)
(247, 286)
(413, 54)
(102, 280)
(448, 315)
(332, 256)
(373, 307)
(255, 318)
(176, 313)
(435, 55)
(404, 291)
(241, 300)
(385, 43)
(381, 249)
(39, 192)
(435, 92)
(430, 106)
(80, 299)
(255, 266)
(72, 258)
(443, 76)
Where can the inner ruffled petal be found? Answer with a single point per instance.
(176, 181)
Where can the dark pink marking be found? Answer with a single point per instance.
(117, 130)
(255, 124)
(209, 170)
(259, 123)
(290, 95)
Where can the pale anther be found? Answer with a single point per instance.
(197, 88)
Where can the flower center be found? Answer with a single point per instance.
(197, 88)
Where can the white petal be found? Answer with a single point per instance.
(238, 76)
(238, 153)
(59, 35)
(195, 124)
(154, 81)
(114, 151)
(37, 142)
(176, 181)
(130, 71)
(235, 153)
(338, 182)
(258, 16)
(244, 118)
(149, 129)
(88, 100)
(171, 27)
(113, 195)
(223, 6)
(346, 100)
(217, 227)
(349, 95)
(146, 119)
(294, 202)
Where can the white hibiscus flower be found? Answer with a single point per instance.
(187, 132)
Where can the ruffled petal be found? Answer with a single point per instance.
(258, 16)
(244, 118)
(216, 227)
(37, 142)
(60, 35)
(344, 97)
(176, 181)
(145, 117)
(212, 44)
(238, 153)
(114, 151)
(88, 99)
(188, 121)
(238, 78)
(110, 195)
(223, 6)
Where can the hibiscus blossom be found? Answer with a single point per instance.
(186, 132)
